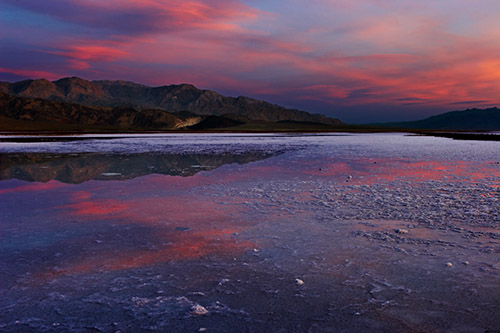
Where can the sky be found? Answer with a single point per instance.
(357, 60)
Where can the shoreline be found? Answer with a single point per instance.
(52, 136)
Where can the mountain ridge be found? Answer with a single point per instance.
(170, 98)
(39, 113)
(465, 120)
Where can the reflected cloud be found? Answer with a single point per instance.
(137, 222)
(155, 219)
(34, 187)
(172, 246)
(102, 207)
(376, 170)
(149, 226)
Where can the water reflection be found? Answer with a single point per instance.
(81, 167)
(119, 225)
(370, 237)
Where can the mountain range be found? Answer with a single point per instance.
(25, 113)
(75, 104)
(467, 120)
(126, 104)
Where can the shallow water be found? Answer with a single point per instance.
(378, 232)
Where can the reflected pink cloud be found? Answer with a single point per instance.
(81, 195)
(328, 170)
(51, 185)
(101, 207)
(171, 209)
(185, 219)
(183, 225)
(428, 171)
(372, 170)
(181, 246)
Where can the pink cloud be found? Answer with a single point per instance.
(326, 91)
(139, 17)
(340, 53)
(31, 73)
(80, 54)
(92, 52)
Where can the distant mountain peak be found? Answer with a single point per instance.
(468, 120)
(187, 86)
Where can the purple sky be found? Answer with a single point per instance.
(357, 60)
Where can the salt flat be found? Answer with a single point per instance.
(386, 232)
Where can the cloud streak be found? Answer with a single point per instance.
(133, 17)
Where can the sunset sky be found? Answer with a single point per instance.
(358, 60)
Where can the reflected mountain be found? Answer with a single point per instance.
(78, 168)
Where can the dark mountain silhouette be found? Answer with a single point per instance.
(37, 113)
(82, 167)
(468, 120)
(172, 98)
(216, 122)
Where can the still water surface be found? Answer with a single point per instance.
(378, 232)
